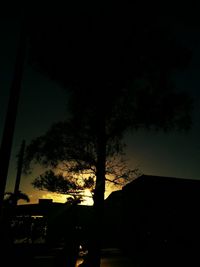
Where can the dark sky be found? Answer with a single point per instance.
(42, 102)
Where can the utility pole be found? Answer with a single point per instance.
(8, 132)
(19, 171)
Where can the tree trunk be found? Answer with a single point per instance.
(98, 208)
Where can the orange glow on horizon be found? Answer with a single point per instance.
(60, 198)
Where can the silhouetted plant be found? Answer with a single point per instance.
(72, 159)
(74, 200)
(58, 183)
(10, 198)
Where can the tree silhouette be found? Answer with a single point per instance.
(9, 203)
(10, 198)
(72, 159)
(58, 183)
(117, 66)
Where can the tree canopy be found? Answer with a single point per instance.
(71, 161)
(108, 56)
(118, 67)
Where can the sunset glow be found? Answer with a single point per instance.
(88, 200)
(60, 198)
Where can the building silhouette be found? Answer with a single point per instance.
(161, 220)
(153, 219)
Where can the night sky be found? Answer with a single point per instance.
(42, 102)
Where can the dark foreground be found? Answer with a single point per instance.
(110, 258)
(39, 255)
